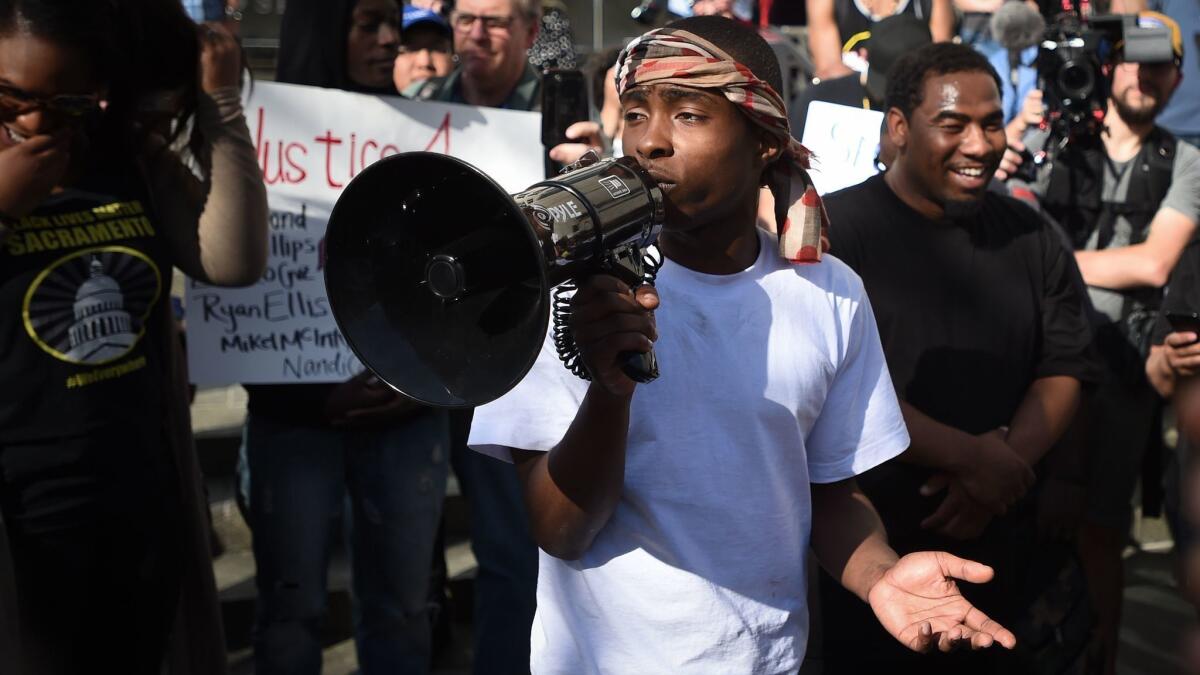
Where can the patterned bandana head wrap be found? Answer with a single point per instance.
(673, 56)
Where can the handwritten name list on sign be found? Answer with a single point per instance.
(311, 142)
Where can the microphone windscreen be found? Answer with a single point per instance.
(1016, 25)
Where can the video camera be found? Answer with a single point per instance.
(1071, 62)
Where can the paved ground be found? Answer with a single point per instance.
(1156, 619)
(1155, 622)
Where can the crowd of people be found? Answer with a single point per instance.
(926, 440)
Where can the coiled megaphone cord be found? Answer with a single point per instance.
(564, 339)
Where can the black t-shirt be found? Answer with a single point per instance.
(1182, 294)
(970, 313)
(851, 20)
(84, 284)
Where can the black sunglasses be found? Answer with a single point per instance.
(15, 101)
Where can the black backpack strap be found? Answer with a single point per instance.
(1150, 182)
(1148, 187)
(1074, 191)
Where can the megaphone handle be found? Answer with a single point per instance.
(641, 367)
(634, 268)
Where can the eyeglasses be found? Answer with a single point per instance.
(463, 22)
(15, 101)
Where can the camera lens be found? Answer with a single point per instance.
(1076, 81)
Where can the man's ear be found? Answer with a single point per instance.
(534, 25)
(770, 148)
(897, 128)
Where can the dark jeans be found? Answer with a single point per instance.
(297, 480)
(506, 583)
(92, 527)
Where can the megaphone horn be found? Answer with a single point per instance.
(440, 280)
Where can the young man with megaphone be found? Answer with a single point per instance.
(675, 516)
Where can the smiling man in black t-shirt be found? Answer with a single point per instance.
(983, 319)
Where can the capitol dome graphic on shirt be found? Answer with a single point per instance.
(90, 307)
(103, 330)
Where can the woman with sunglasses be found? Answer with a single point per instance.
(124, 152)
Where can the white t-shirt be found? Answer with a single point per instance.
(771, 378)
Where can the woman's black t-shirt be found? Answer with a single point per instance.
(83, 285)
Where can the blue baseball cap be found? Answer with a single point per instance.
(418, 15)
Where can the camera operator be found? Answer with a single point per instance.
(1127, 196)
(1182, 116)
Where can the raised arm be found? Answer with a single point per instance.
(824, 40)
(984, 6)
(573, 490)
(28, 172)
(941, 21)
(217, 229)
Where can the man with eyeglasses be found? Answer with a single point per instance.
(491, 38)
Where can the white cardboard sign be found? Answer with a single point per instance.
(844, 142)
(310, 143)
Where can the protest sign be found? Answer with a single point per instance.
(844, 141)
(310, 143)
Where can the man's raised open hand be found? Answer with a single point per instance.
(919, 603)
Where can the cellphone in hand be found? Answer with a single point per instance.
(1184, 322)
(564, 102)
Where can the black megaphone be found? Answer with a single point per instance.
(441, 281)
